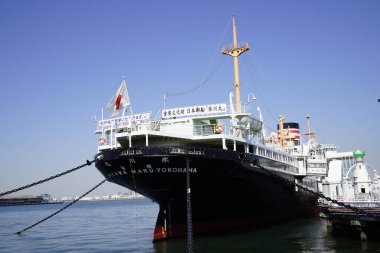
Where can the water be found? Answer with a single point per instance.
(127, 226)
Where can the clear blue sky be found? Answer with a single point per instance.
(61, 61)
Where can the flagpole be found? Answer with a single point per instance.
(120, 100)
(130, 104)
(130, 107)
(125, 109)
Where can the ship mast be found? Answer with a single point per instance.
(235, 51)
(310, 134)
(281, 119)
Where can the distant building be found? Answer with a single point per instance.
(119, 196)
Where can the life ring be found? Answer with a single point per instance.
(102, 141)
(219, 129)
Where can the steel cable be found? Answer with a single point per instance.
(88, 163)
(320, 195)
(60, 210)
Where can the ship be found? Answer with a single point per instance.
(355, 194)
(27, 200)
(216, 156)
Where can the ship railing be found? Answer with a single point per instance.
(213, 129)
(244, 108)
(328, 147)
(176, 127)
(369, 200)
(232, 46)
(252, 145)
(154, 125)
(109, 136)
(293, 151)
(204, 129)
(208, 129)
(363, 204)
(259, 149)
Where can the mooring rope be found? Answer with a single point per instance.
(135, 196)
(189, 211)
(60, 210)
(321, 195)
(88, 163)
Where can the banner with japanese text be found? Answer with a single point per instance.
(124, 121)
(194, 110)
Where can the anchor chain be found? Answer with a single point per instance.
(60, 210)
(88, 163)
(318, 194)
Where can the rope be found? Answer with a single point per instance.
(206, 78)
(258, 89)
(174, 94)
(60, 210)
(88, 163)
(320, 195)
(188, 208)
(135, 197)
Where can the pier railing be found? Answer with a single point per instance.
(370, 202)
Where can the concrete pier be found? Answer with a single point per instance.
(365, 223)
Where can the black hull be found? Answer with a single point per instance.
(228, 189)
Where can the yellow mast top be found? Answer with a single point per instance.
(235, 51)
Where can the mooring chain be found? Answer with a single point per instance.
(88, 163)
(318, 194)
(63, 208)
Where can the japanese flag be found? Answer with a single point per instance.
(121, 99)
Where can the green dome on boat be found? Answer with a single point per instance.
(359, 154)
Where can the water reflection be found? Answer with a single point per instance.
(306, 235)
